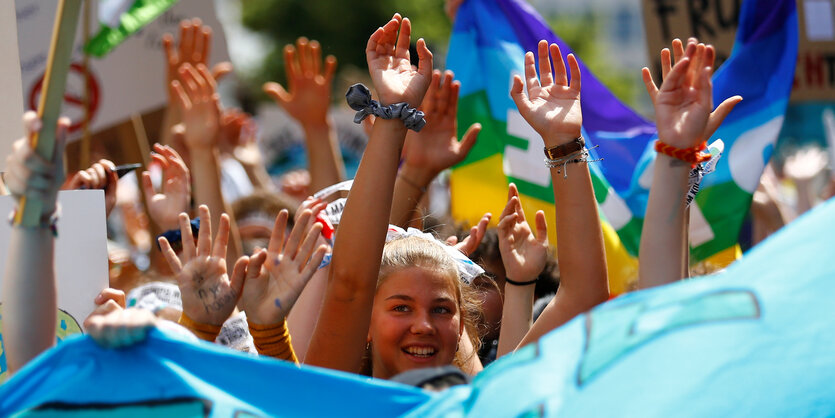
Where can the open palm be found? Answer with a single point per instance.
(391, 71)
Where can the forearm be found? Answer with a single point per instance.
(324, 156)
(661, 260)
(30, 307)
(517, 316)
(584, 279)
(170, 118)
(205, 167)
(302, 318)
(409, 188)
(340, 336)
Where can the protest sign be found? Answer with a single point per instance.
(12, 106)
(129, 80)
(80, 257)
(716, 22)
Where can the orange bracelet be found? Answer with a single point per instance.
(273, 340)
(206, 332)
(694, 155)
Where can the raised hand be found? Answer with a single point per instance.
(468, 245)
(436, 148)
(551, 105)
(197, 99)
(175, 195)
(112, 326)
(209, 293)
(523, 254)
(27, 173)
(724, 108)
(277, 276)
(308, 81)
(387, 53)
(194, 47)
(101, 175)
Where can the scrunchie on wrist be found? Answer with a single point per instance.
(359, 99)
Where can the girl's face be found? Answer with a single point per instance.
(415, 322)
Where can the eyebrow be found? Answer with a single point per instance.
(409, 298)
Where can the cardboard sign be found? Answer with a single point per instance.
(11, 107)
(129, 80)
(715, 22)
(80, 257)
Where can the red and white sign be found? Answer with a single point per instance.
(129, 80)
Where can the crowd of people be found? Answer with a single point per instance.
(358, 286)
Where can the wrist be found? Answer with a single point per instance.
(418, 176)
(316, 128)
(557, 139)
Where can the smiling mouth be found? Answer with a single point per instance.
(420, 352)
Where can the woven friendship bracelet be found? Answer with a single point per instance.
(694, 155)
(359, 99)
(563, 150)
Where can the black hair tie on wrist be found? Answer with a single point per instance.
(359, 99)
(515, 283)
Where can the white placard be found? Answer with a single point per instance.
(131, 79)
(11, 107)
(819, 20)
(80, 252)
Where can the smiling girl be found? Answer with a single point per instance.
(403, 302)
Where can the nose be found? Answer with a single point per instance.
(422, 324)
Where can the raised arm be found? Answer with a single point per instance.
(199, 105)
(307, 102)
(523, 255)
(683, 116)
(341, 334)
(30, 305)
(432, 150)
(552, 107)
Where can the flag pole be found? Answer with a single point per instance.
(52, 95)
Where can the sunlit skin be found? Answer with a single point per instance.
(416, 322)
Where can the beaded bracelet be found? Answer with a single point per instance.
(359, 99)
(693, 155)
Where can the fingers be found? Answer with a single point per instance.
(256, 262)
(315, 57)
(719, 115)
(291, 65)
(541, 227)
(238, 275)
(314, 262)
(574, 68)
(560, 77)
(186, 46)
(179, 94)
(222, 238)
(94, 320)
(187, 237)
(205, 45)
(710, 56)
(424, 58)
(110, 293)
(444, 93)
(221, 69)
(666, 63)
(292, 246)
(517, 93)
(676, 76)
(452, 240)
(147, 186)
(428, 106)
(512, 190)
(277, 236)
(309, 243)
(404, 39)
(204, 236)
(31, 124)
(531, 80)
(545, 64)
(170, 54)
(170, 256)
(649, 83)
(305, 58)
(330, 69)
(678, 48)
(506, 224)
(694, 74)
(469, 139)
(277, 92)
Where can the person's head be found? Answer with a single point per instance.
(420, 309)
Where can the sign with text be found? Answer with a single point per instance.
(129, 80)
(81, 270)
(715, 22)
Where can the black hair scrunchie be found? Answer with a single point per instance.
(359, 99)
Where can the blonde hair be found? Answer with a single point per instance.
(412, 251)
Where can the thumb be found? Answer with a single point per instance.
(541, 227)
(277, 92)
(221, 69)
(719, 115)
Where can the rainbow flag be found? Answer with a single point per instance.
(489, 40)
